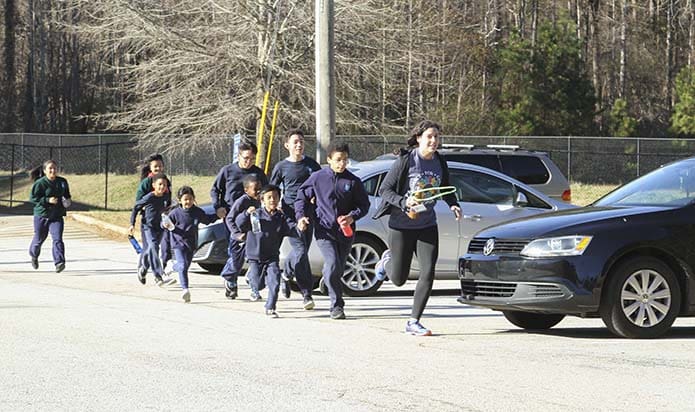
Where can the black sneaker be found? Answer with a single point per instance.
(337, 313)
(60, 267)
(230, 292)
(35, 263)
(285, 288)
(308, 303)
(142, 274)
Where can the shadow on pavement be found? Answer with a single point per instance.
(601, 333)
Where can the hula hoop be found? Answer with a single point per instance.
(442, 191)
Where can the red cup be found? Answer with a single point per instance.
(347, 229)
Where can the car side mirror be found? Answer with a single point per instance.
(521, 200)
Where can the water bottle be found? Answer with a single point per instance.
(347, 229)
(167, 223)
(255, 223)
(64, 200)
(135, 244)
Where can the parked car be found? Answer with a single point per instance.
(627, 258)
(486, 197)
(534, 168)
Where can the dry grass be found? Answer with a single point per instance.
(584, 194)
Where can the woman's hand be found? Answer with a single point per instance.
(457, 211)
(411, 201)
(130, 230)
(53, 200)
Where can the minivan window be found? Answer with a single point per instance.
(485, 160)
(478, 187)
(528, 169)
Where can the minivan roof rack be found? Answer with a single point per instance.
(512, 147)
(458, 146)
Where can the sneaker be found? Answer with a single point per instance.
(255, 296)
(35, 263)
(60, 267)
(285, 276)
(271, 313)
(308, 303)
(415, 328)
(285, 288)
(168, 279)
(186, 296)
(380, 267)
(142, 272)
(230, 290)
(337, 313)
(159, 281)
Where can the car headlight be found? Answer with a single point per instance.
(557, 246)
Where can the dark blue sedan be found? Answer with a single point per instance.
(628, 258)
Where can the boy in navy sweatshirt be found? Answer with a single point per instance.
(153, 204)
(184, 236)
(291, 173)
(237, 237)
(339, 199)
(263, 242)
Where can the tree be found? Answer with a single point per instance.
(545, 90)
(683, 118)
(621, 123)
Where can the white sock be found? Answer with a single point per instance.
(413, 320)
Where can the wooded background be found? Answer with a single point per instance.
(490, 67)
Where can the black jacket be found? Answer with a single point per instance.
(395, 185)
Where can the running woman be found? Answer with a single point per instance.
(289, 174)
(50, 195)
(413, 224)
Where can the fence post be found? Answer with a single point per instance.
(638, 156)
(569, 158)
(12, 174)
(106, 178)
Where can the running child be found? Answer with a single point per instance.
(263, 240)
(290, 173)
(155, 164)
(237, 237)
(50, 195)
(184, 236)
(153, 204)
(340, 199)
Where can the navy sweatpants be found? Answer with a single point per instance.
(235, 261)
(183, 257)
(271, 271)
(297, 264)
(149, 258)
(335, 255)
(42, 227)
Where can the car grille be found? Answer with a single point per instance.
(545, 291)
(479, 288)
(502, 246)
(203, 250)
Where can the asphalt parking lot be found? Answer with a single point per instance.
(93, 338)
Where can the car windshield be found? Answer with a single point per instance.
(672, 185)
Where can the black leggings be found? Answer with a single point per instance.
(425, 244)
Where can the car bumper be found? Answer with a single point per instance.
(515, 283)
(213, 242)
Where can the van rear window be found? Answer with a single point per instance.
(528, 169)
(489, 161)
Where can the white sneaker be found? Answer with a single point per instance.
(186, 296)
(169, 279)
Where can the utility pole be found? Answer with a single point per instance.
(325, 81)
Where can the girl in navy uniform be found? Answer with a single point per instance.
(50, 195)
(263, 242)
(338, 199)
(154, 164)
(184, 236)
(153, 204)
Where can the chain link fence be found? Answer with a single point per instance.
(590, 160)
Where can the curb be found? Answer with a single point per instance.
(98, 223)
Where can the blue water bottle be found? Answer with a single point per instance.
(135, 244)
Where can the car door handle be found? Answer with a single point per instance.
(473, 217)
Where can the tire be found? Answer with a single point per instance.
(359, 278)
(631, 311)
(532, 321)
(211, 267)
